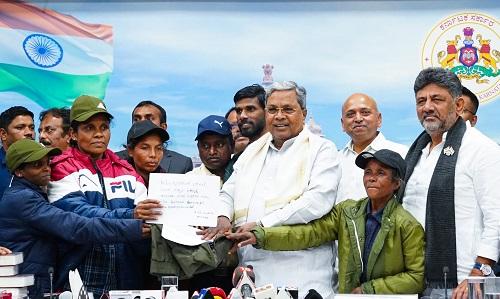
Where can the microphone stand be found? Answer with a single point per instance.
(445, 276)
(51, 277)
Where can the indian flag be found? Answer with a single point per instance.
(52, 58)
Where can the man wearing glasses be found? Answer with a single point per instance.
(287, 176)
(54, 128)
(471, 105)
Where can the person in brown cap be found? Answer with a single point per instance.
(90, 180)
(31, 225)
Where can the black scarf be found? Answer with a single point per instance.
(440, 233)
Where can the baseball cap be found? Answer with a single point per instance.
(84, 107)
(386, 157)
(27, 150)
(214, 123)
(145, 127)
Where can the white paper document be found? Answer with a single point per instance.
(185, 235)
(186, 199)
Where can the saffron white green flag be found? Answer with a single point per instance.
(52, 58)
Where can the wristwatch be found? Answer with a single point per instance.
(485, 268)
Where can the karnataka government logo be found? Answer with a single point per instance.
(468, 44)
(42, 50)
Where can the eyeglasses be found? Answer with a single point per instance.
(284, 110)
(467, 110)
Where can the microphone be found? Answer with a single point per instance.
(238, 272)
(446, 270)
(217, 292)
(51, 277)
(244, 281)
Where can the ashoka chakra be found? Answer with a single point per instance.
(43, 50)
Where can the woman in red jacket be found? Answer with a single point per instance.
(90, 180)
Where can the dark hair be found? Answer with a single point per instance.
(473, 98)
(8, 115)
(402, 185)
(59, 113)
(229, 112)
(441, 77)
(252, 91)
(74, 126)
(163, 113)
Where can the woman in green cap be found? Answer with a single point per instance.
(31, 225)
(92, 181)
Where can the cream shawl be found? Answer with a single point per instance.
(290, 185)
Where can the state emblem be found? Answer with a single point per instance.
(467, 44)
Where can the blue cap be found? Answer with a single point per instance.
(215, 124)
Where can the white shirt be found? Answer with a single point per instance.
(202, 170)
(477, 199)
(351, 183)
(305, 269)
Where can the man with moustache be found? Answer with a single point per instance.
(471, 105)
(54, 128)
(15, 123)
(452, 174)
(172, 162)
(361, 120)
(287, 176)
(240, 141)
(249, 105)
(215, 144)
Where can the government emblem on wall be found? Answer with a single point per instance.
(468, 44)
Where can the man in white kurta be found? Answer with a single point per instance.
(476, 200)
(288, 176)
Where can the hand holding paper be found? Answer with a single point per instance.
(148, 209)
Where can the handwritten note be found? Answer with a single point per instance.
(186, 199)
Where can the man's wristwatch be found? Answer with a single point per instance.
(484, 268)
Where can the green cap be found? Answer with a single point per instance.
(84, 107)
(25, 151)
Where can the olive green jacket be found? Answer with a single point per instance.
(395, 264)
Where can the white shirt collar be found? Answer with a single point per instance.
(285, 145)
(375, 145)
